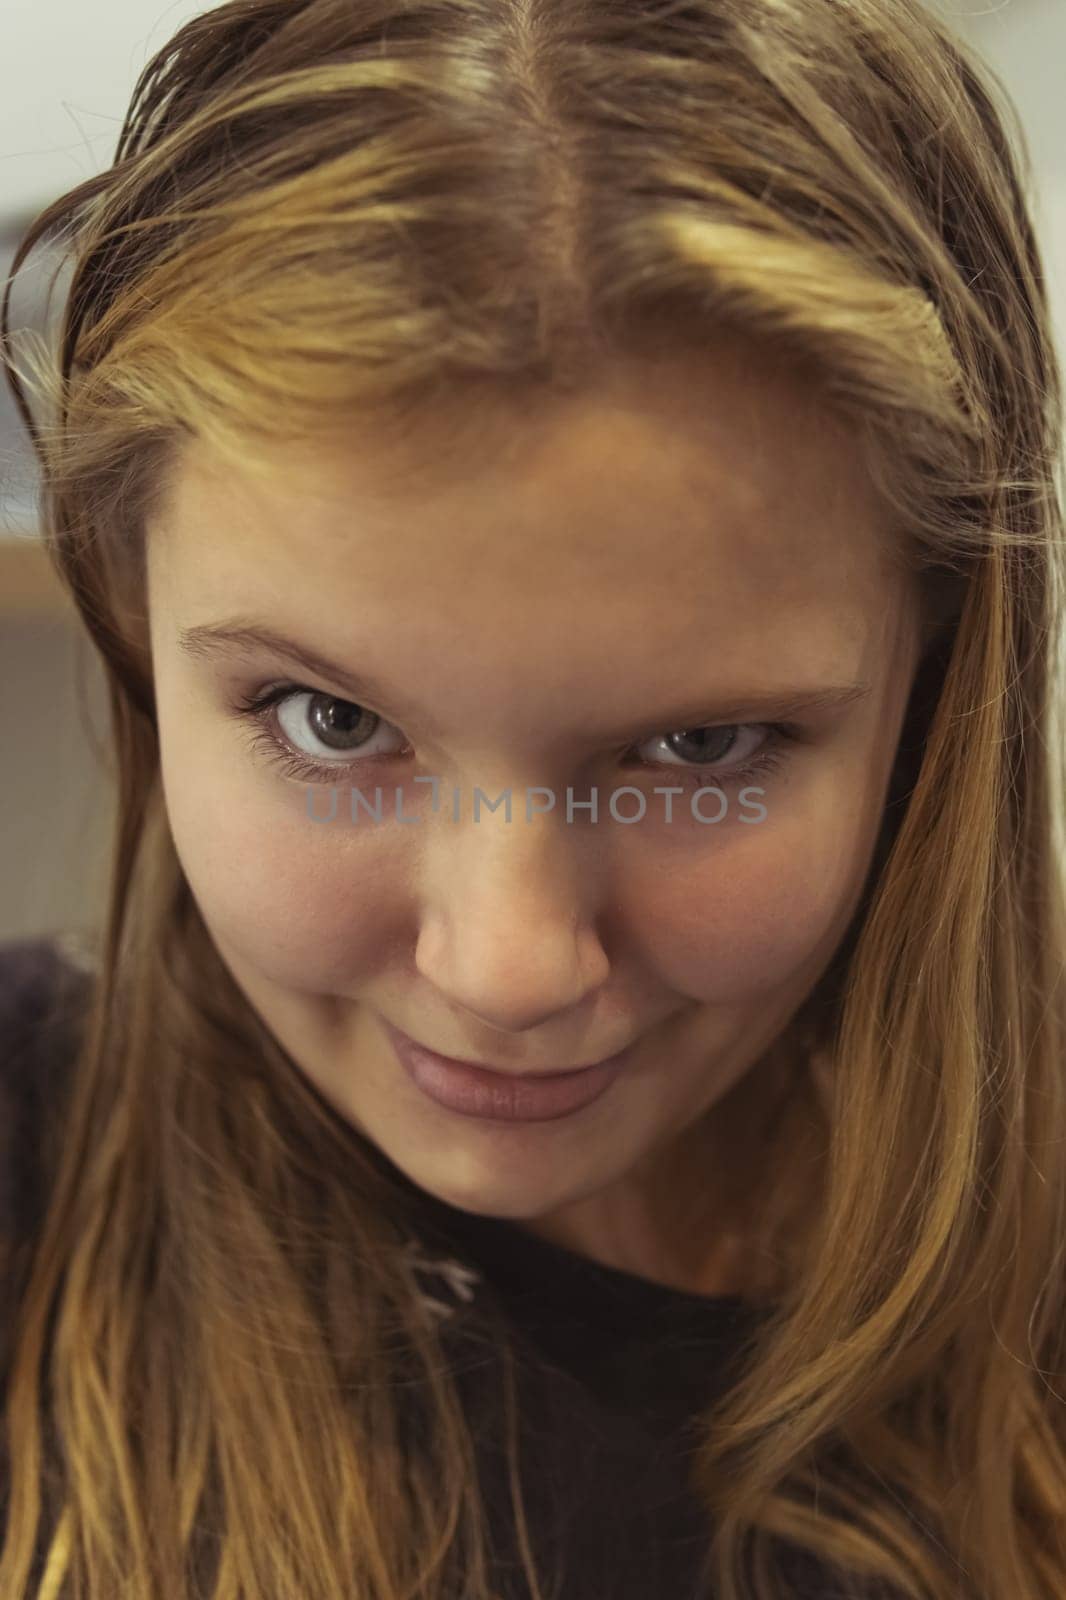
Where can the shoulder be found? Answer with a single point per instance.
(35, 973)
(44, 988)
(44, 985)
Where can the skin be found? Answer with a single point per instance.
(537, 597)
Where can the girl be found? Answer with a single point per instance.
(570, 1097)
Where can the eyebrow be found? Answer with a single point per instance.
(245, 639)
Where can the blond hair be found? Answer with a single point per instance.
(324, 214)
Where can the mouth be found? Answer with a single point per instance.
(498, 1094)
(533, 1075)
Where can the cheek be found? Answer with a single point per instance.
(303, 903)
(744, 919)
(313, 906)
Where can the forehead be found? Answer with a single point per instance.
(677, 531)
(722, 480)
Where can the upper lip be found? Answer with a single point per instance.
(509, 1072)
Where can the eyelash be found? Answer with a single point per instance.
(256, 709)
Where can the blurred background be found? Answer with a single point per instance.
(70, 71)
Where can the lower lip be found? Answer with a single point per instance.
(473, 1092)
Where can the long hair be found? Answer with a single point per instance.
(330, 214)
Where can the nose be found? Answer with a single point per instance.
(503, 932)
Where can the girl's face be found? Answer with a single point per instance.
(693, 553)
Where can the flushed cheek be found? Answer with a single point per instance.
(304, 904)
(738, 927)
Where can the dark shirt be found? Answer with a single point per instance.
(614, 1370)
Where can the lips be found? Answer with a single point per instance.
(495, 1097)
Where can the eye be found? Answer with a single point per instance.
(322, 726)
(703, 747)
(309, 734)
(312, 735)
(770, 754)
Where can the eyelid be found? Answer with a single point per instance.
(282, 688)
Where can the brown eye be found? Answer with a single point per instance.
(321, 724)
(702, 744)
(341, 724)
(706, 746)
